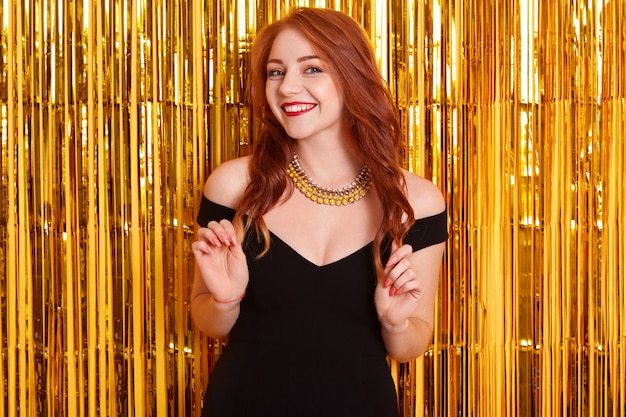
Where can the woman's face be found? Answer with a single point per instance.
(300, 89)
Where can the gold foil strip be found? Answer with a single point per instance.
(113, 113)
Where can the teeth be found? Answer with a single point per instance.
(298, 108)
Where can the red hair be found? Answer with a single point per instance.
(372, 121)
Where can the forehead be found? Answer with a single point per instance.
(291, 43)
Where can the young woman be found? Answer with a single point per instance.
(317, 255)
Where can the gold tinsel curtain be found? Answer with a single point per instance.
(113, 112)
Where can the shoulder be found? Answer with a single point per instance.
(424, 196)
(227, 182)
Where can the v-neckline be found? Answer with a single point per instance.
(275, 237)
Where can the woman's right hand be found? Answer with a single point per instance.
(221, 261)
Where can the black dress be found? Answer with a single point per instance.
(307, 341)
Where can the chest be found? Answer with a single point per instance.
(323, 234)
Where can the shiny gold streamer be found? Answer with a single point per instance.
(113, 113)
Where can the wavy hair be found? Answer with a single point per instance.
(372, 122)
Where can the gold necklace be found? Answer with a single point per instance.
(332, 197)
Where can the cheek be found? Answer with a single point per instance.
(337, 100)
(268, 93)
(324, 94)
(270, 97)
(333, 93)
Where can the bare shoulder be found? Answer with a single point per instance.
(424, 196)
(227, 182)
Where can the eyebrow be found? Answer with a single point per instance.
(301, 59)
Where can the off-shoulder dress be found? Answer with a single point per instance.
(307, 341)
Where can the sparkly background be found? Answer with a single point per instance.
(113, 112)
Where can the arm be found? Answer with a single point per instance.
(409, 296)
(221, 271)
(405, 296)
(212, 318)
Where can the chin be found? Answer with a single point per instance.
(297, 135)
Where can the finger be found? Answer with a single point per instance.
(398, 252)
(397, 258)
(208, 235)
(236, 250)
(230, 232)
(399, 273)
(412, 287)
(201, 247)
(224, 232)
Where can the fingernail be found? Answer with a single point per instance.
(387, 282)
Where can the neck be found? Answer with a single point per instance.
(347, 194)
(331, 167)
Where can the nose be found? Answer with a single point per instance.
(290, 84)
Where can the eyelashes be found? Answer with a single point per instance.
(276, 73)
(313, 69)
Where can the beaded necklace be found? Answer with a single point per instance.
(332, 197)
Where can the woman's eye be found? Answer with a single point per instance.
(274, 73)
(312, 70)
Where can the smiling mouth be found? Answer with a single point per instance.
(296, 109)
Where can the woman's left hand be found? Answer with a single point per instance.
(399, 292)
